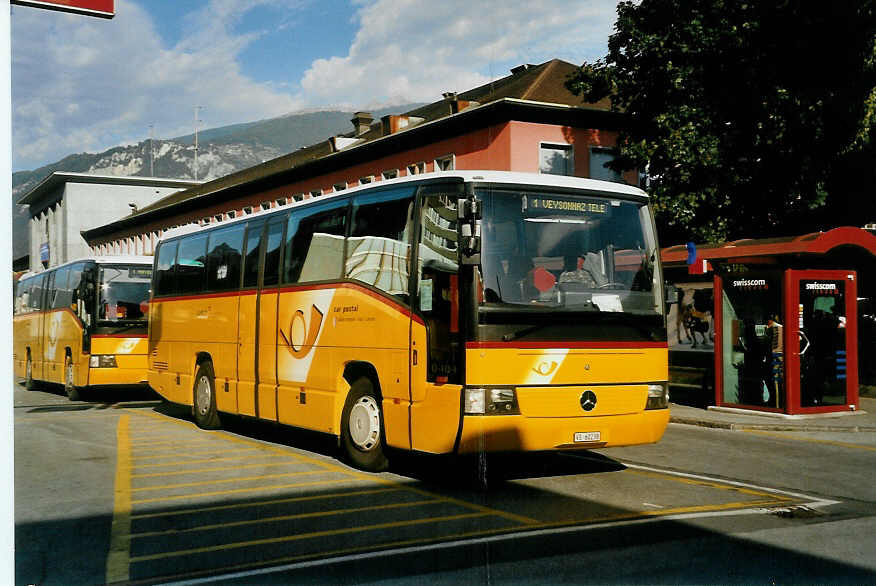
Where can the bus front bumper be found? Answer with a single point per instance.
(515, 433)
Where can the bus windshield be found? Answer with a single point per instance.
(548, 253)
(124, 294)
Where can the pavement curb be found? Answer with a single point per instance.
(772, 427)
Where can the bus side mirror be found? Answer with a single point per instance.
(469, 212)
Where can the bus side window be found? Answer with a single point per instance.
(224, 258)
(273, 245)
(73, 283)
(378, 249)
(190, 264)
(165, 278)
(315, 243)
(61, 291)
(37, 293)
(251, 255)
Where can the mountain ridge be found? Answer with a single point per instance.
(221, 150)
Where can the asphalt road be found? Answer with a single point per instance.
(124, 488)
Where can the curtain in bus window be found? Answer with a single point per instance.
(378, 249)
(315, 243)
(190, 264)
(224, 258)
(165, 282)
(272, 252)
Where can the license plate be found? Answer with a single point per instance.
(588, 436)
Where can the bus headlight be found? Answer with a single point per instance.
(491, 401)
(102, 361)
(658, 396)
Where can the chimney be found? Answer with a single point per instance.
(362, 122)
(456, 105)
(392, 123)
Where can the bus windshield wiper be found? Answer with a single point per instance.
(522, 332)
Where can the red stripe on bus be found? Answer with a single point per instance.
(605, 345)
(292, 288)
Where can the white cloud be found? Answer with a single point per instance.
(85, 84)
(413, 50)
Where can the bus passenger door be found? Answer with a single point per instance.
(435, 336)
(248, 321)
(266, 335)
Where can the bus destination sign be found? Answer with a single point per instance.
(542, 205)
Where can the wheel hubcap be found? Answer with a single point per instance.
(203, 393)
(365, 423)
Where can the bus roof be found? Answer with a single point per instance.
(101, 260)
(491, 177)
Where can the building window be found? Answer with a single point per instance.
(281, 201)
(599, 156)
(445, 163)
(266, 205)
(556, 159)
(390, 174)
(365, 180)
(316, 193)
(247, 210)
(231, 214)
(417, 168)
(218, 217)
(339, 186)
(205, 221)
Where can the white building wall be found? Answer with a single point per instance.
(84, 206)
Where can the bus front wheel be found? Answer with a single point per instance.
(72, 391)
(204, 399)
(362, 428)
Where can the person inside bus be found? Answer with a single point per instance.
(505, 275)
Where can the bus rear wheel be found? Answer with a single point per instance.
(73, 392)
(362, 435)
(204, 397)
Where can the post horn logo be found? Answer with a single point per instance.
(302, 338)
(545, 368)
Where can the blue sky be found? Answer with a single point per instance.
(82, 84)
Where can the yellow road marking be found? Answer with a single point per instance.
(205, 461)
(190, 446)
(160, 499)
(263, 503)
(261, 520)
(811, 440)
(225, 480)
(363, 476)
(220, 469)
(179, 454)
(301, 536)
(451, 537)
(118, 557)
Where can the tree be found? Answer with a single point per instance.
(751, 118)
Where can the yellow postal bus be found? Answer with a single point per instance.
(83, 324)
(443, 313)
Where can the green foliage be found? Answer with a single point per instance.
(749, 117)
